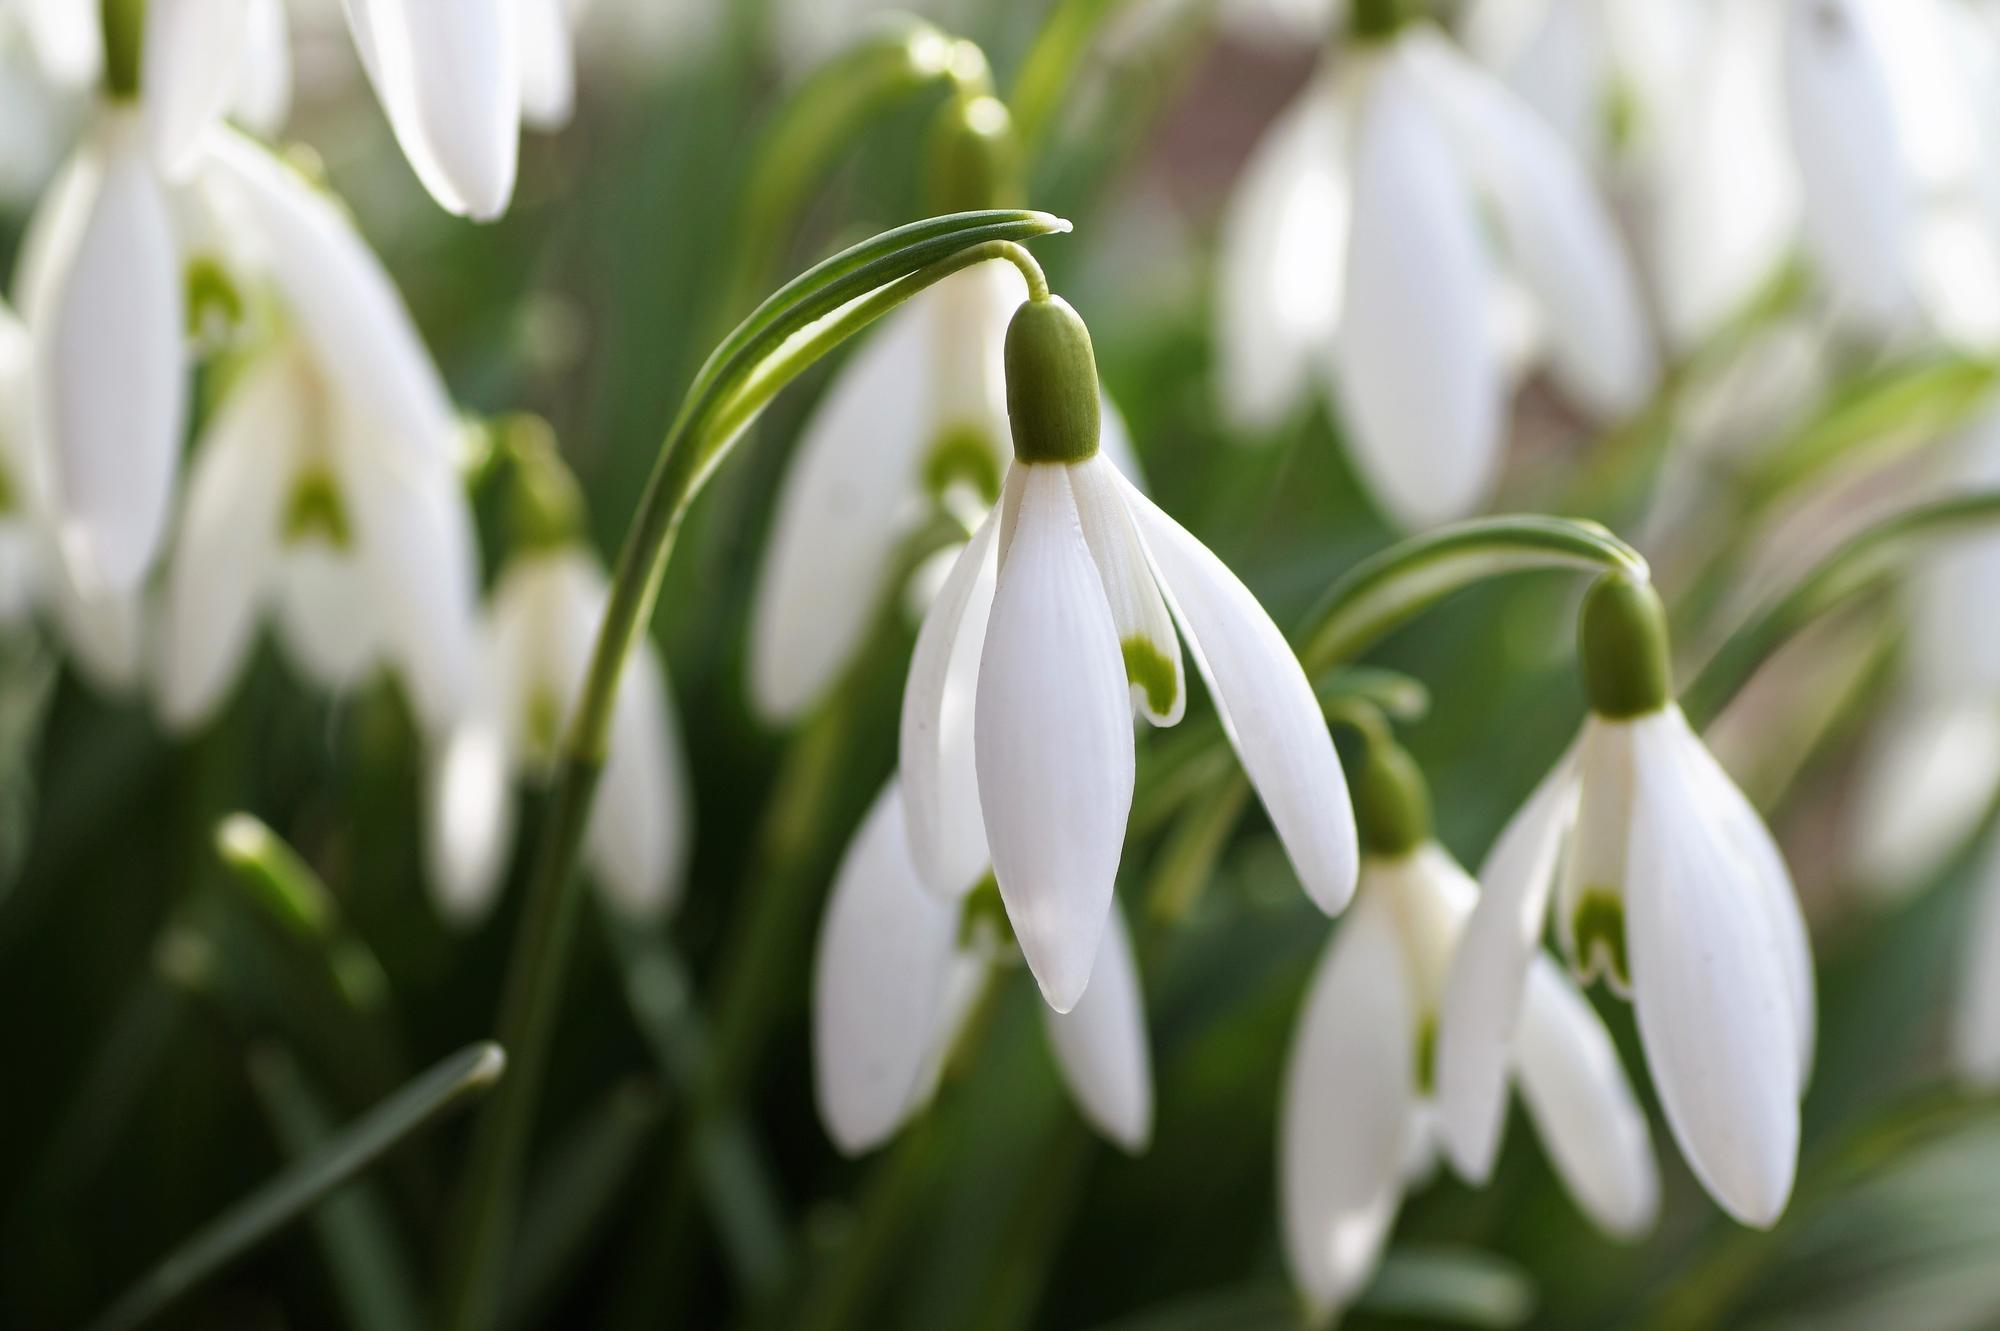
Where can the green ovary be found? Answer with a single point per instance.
(1598, 928)
(315, 510)
(1151, 669)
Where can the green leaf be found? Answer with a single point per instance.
(423, 1101)
(1462, 1286)
(1388, 590)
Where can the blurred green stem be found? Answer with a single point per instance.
(1049, 70)
(788, 332)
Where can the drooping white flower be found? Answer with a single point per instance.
(899, 969)
(1358, 1125)
(540, 628)
(324, 490)
(1664, 881)
(914, 425)
(1055, 624)
(1356, 246)
(458, 79)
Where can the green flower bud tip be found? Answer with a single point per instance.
(1051, 383)
(974, 159)
(1622, 648)
(1392, 802)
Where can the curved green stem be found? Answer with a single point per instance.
(801, 322)
(1862, 564)
(1388, 590)
(1049, 70)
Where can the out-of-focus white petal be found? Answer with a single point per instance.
(935, 747)
(1280, 270)
(880, 981)
(111, 392)
(842, 512)
(1420, 384)
(68, 38)
(1146, 635)
(548, 62)
(1975, 1029)
(1100, 1045)
(1858, 196)
(1489, 975)
(1930, 775)
(1349, 1109)
(187, 72)
(1584, 1110)
(1266, 704)
(638, 833)
(261, 98)
(218, 570)
(1053, 748)
(1114, 440)
(330, 621)
(470, 826)
(103, 631)
(1710, 987)
(449, 76)
(1555, 227)
(345, 306)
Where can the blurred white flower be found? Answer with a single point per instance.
(540, 628)
(1052, 627)
(1356, 246)
(914, 424)
(1666, 883)
(67, 37)
(324, 488)
(459, 78)
(899, 970)
(1358, 1125)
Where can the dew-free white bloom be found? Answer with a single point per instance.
(1664, 881)
(1358, 1126)
(324, 489)
(898, 971)
(540, 628)
(1358, 246)
(1056, 623)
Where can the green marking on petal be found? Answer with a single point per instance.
(1427, 1043)
(10, 499)
(214, 304)
(963, 454)
(1598, 928)
(316, 510)
(984, 915)
(1153, 671)
(1622, 113)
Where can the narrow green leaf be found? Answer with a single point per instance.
(426, 1098)
(1384, 592)
(275, 877)
(1462, 1286)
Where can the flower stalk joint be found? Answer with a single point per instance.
(1622, 648)
(1392, 802)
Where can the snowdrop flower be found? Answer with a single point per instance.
(914, 424)
(1356, 247)
(323, 490)
(1667, 885)
(458, 79)
(898, 973)
(1358, 1126)
(1052, 627)
(540, 628)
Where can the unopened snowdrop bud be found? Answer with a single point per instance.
(1392, 805)
(1051, 384)
(1622, 648)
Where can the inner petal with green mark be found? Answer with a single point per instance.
(1426, 1064)
(214, 303)
(315, 511)
(1152, 673)
(1597, 937)
(963, 455)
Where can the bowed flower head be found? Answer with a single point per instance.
(1055, 623)
(1358, 1125)
(1666, 883)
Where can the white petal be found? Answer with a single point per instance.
(1975, 1030)
(882, 971)
(1348, 1110)
(1420, 383)
(1053, 748)
(1928, 779)
(1858, 223)
(261, 98)
(104, 632)
(935, 751)
(1114, 440)
(68, 38)
(1584, 1110)
(344, 303)
(1712, 995)
(449, 76)
(1145, 630)
(1555, 227)
(187, 71)
(1100, 1045)
(1266, 704)
(1489, 975)
(840, 518)
(470, 825)
(548, 64)
(330, 622)
(217, 572)
(1280, 267)
(638, 833)
(112, 392)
